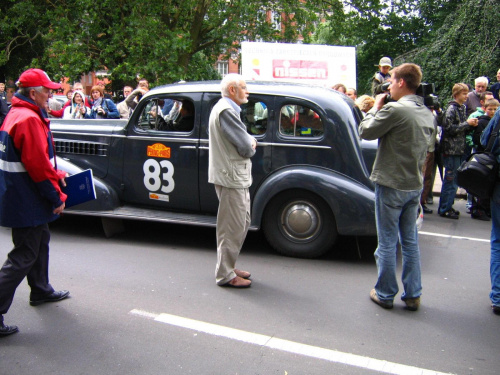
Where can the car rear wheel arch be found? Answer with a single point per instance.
(299, 223)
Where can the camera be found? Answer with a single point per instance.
(425, 90)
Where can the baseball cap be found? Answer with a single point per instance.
(385, 61)
(37, 77)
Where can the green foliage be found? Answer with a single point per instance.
(377, 28)
(162, 40)
(21, 35)
(451, 40)
(465, 47)
(172, 40)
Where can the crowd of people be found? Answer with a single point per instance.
(407, 129)
(79, 105)
(415, 140)
(456, 135)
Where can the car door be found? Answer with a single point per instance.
(300, 135)
(256, 115)
(160, 164)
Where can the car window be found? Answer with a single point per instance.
(166, 114)
(300, 121)
(254, 116)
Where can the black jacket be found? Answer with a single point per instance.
(482, 123)
(455, 127)
(4, 108)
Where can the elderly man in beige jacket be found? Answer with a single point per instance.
(230, 170)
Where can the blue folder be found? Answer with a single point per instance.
(79, 188)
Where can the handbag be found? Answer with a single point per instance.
(479, 173)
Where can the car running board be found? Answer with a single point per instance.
(112, 219)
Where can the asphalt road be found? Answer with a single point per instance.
(145, 302)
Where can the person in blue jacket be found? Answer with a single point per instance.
(102, 108)
(495, 218)
(495, 88)
(30, 193)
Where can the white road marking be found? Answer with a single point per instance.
(288, 346)
(453, 237)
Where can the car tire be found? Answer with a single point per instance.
(297, 223)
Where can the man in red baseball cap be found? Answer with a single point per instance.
(35, 78)
(31, 196)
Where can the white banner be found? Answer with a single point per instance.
(304, 63)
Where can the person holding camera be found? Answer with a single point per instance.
(101, 108)
(136, 95)
(403, 127)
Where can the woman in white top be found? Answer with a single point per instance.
(77, 109)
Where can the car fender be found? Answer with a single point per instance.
(352, 203)
(106, 196)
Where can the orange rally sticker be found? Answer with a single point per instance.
(159, 151)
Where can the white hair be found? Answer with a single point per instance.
(231, 79)
(481, 80)
(26, 90)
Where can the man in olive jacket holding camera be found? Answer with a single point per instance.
(403, 128)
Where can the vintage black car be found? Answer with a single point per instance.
(310, 172)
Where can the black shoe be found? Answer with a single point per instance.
(455, 211)
(7, 330)
(481, 216)
(449, 214)
(52, 297)
(426, 209)
(496, 310)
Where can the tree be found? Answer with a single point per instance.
(466, 46)
(22, 25)
(163, 40)
(381, 28)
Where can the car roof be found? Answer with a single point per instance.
(315, 93)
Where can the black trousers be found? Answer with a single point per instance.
(29, 258)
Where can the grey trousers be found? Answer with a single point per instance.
(233, 220)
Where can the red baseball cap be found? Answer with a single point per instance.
(37, 77)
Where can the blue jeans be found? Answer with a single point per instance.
(396, 216)
(495, 247)
(449, 187)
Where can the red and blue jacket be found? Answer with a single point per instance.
(29, 182)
